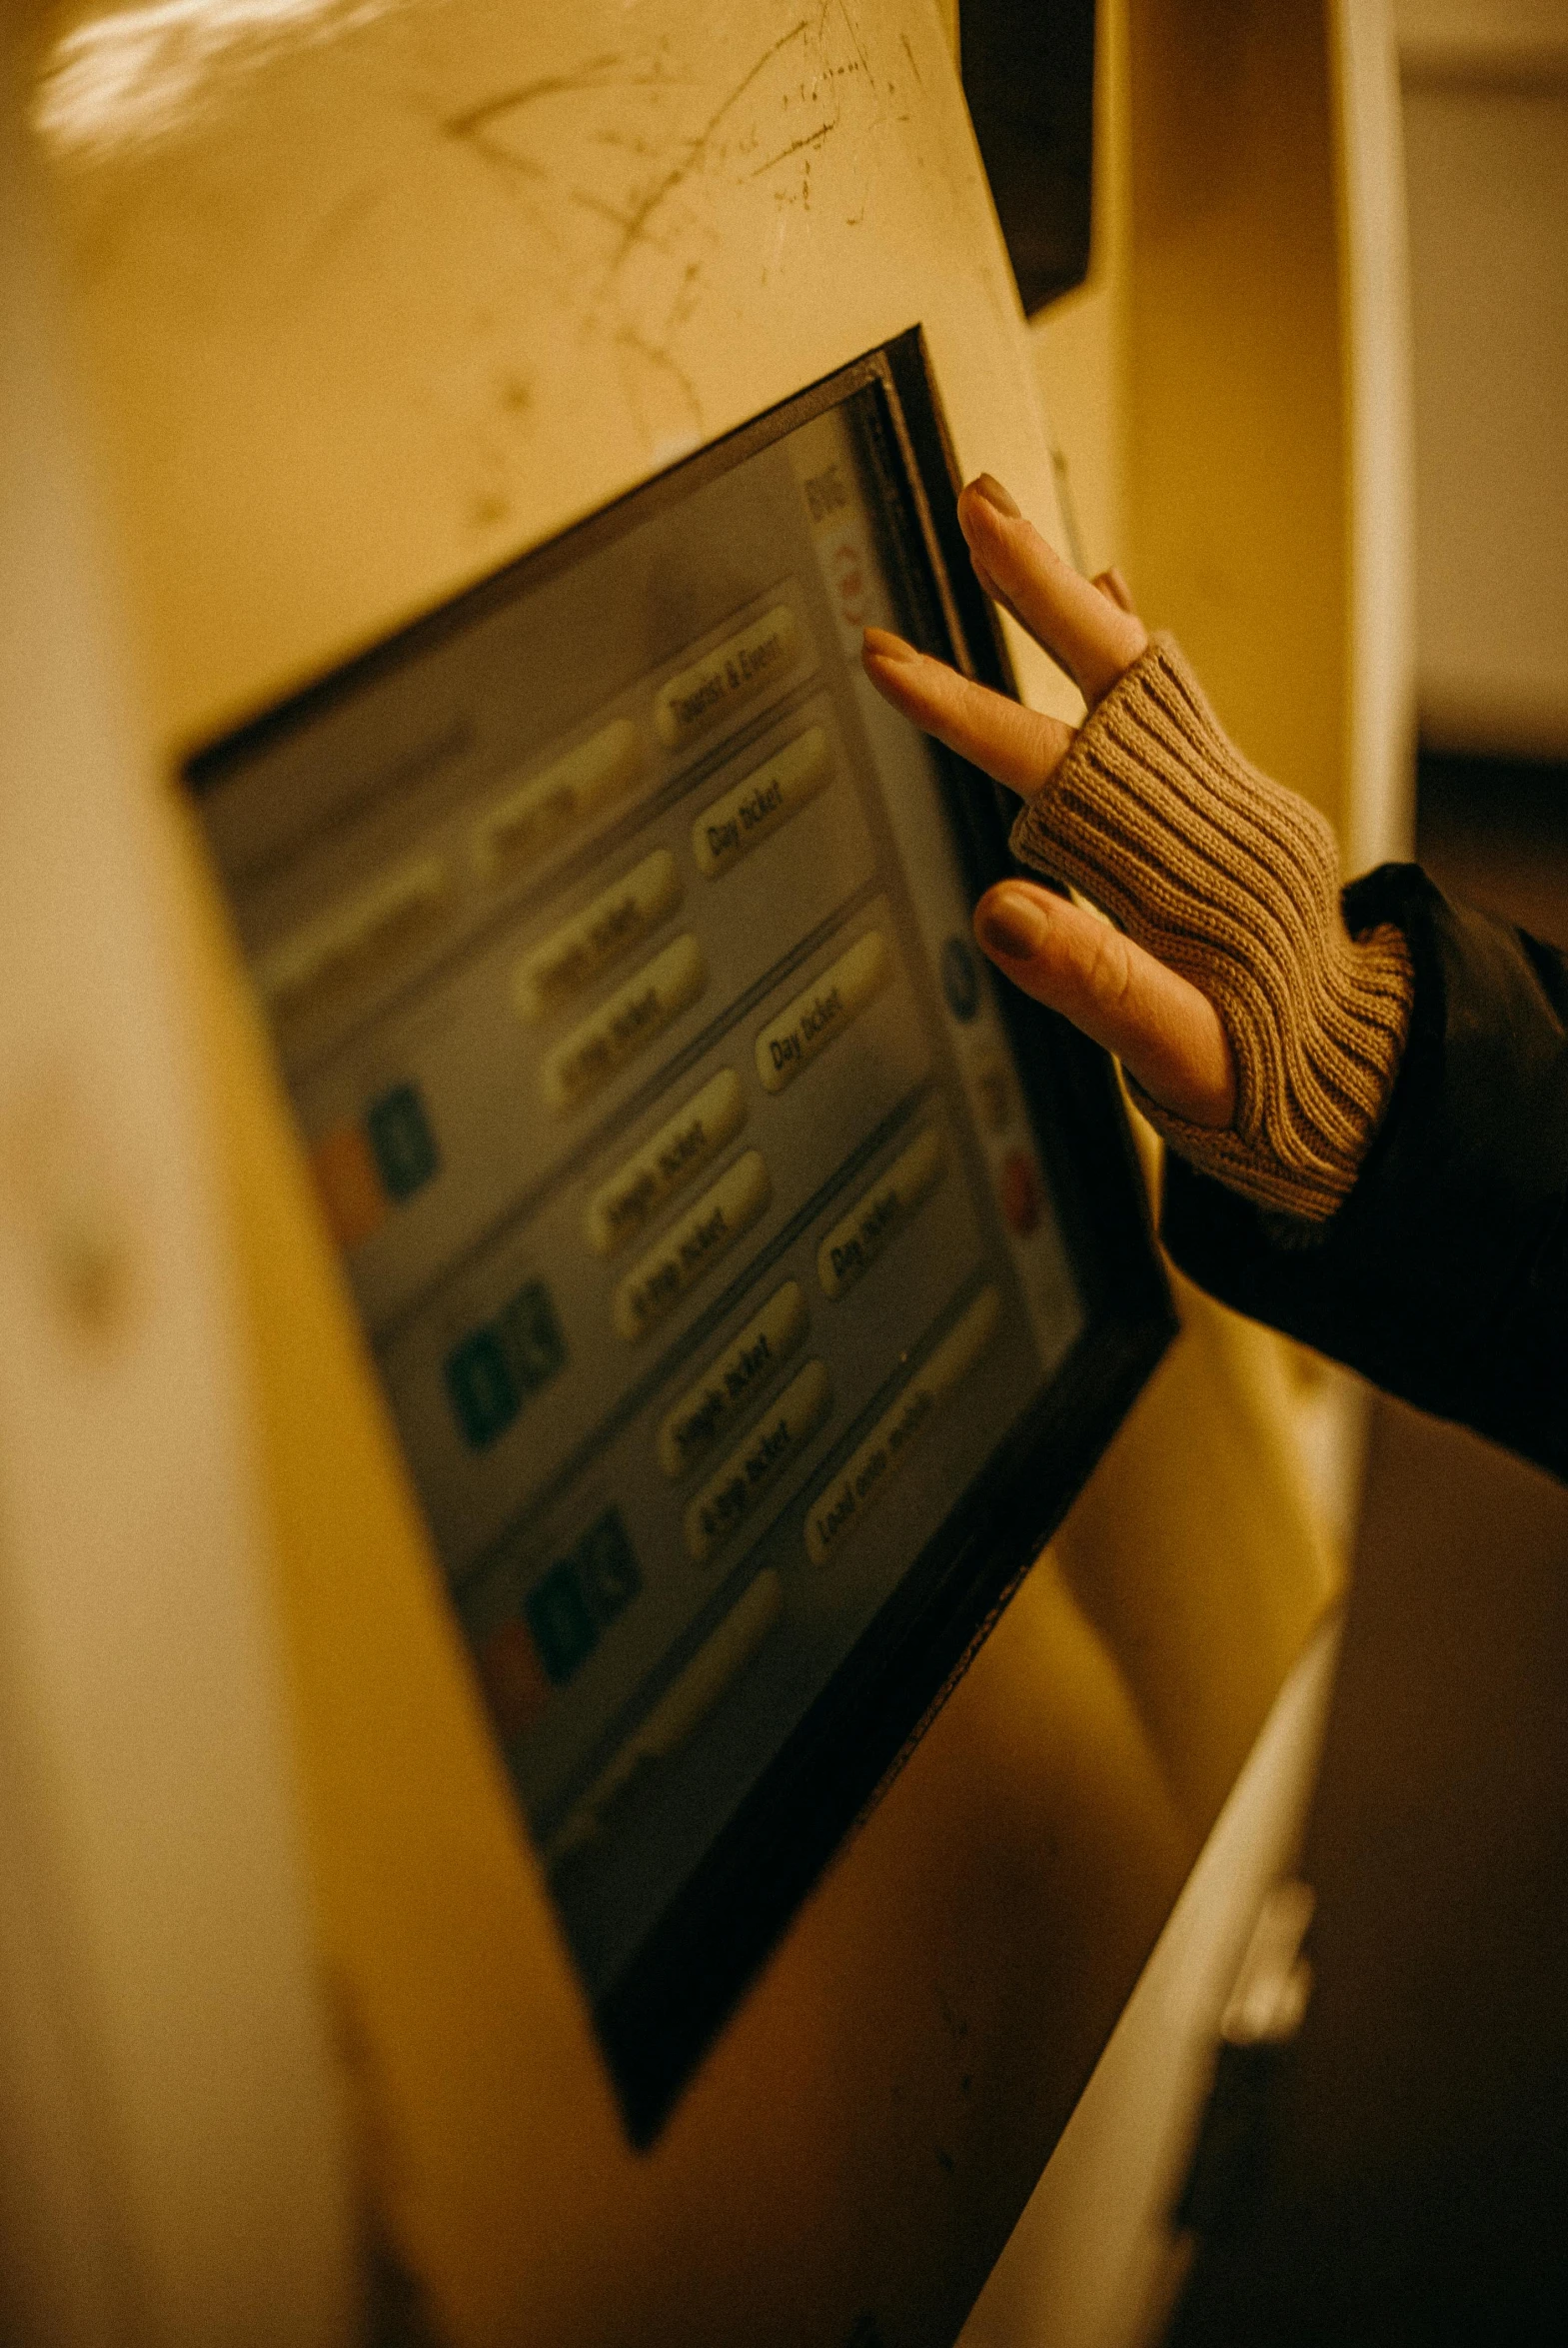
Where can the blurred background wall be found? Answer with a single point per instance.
(1471, 272)
(1485, 103)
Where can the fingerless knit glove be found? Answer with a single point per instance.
(1234, 883)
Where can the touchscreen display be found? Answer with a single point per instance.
(616, 940)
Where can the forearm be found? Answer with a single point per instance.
(1444, 1276)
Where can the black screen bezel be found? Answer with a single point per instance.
(659, 2019)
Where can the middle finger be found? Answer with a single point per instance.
(1083, 630)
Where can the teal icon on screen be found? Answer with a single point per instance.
(404, 1146)
(563, 1624)
(492, 1372)
(581, 1594)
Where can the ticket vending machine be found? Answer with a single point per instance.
(753, 1281)
(668, 1293)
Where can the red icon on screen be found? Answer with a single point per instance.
(849, 576)
(1019, 1191)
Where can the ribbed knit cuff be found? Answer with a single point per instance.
(1234, 883)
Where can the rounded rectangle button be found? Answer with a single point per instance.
(573, 956)
(691, 1246)
(354, 939)
(822, 1011)
(778, 1437)
(732, 1383)
(734, 672)
(872, 1466)
(853, 1245)
(623, 1025)
(747, 815)
(685, 1704)
(523, 827)
(635, 1191)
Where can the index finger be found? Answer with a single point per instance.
(1082, 629)
(1021, 747)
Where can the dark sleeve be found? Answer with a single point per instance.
(1444, 1276)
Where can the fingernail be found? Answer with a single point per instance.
(882, 644)
(990, 489)
(1013, 926)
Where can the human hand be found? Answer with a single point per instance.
(1164, 1030)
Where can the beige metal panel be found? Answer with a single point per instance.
(375, 298)
(173, 2171)
(381, 295)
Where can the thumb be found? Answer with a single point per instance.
(1164, 1031)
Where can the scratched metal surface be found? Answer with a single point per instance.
(377, 292)
(374, 296)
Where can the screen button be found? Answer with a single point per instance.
(353, 940)
(685, 1704)
(519, 829)
(750, 1470)
(853, 1245)
(680, 1149)
(823, 1011)
(734, 1382)
(605, 929)
(834, 1511)
(734, 672)
(728, 830)
(624, 1024)
(691, 1246)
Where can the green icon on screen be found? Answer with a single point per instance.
(581, 1594)
(404, 1146)
(490, 1373)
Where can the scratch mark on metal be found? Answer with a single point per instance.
(474, 125)
(813, 138)
(854, 32)
(589, 202)
(472, 120)
(909, 53)
(629, 339)
(697, 148)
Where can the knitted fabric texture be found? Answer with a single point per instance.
(1234, 883)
